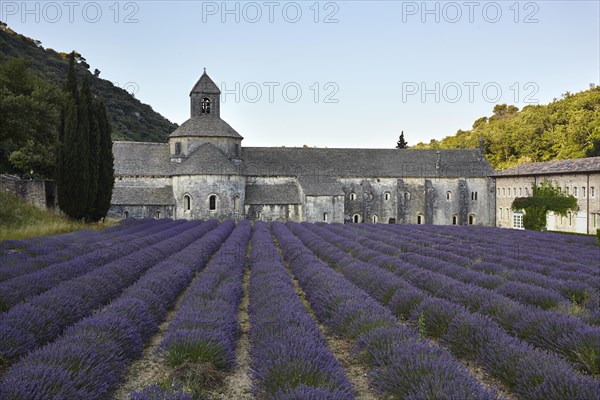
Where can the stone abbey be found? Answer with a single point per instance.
(204, 171)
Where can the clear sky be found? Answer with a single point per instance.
(330, 74)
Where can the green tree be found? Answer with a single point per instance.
(544, 198)
(29, 111)
(73, 168)
(106, 175)
(402, 144)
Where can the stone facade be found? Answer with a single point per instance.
(578, 177)
(204, 172)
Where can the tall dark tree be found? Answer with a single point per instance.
(89, 125)
(402, 144)
(72, 166)
(106, 175)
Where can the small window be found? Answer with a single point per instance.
(236, 202)
(419, 219)
(575, 193)
(406, 196)
(126, 214)
(518, 220)
(288, 213)
(386, 195)
(157, 215)
(503, 191)
(259, 215)
(206, 105)
(515, 192)
(500, 211)
(324, 217)
(567, 190)
(583, 191)
(356, 218)
(475, 196)
(471, 219)
(570, 218)
(187, 203)
(594, 220)
(498, 192)
(352, 196)
(448, 195)
(455, 219)
(177, 148)
(375, 219)
(237, 150)
(212, 202)
(592, 192)
(527, 192)
(520, 192)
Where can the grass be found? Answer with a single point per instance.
(20, 220)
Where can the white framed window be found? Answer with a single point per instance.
(518, 220)
(448, 195)
(387, 195)
(259, 215)
(352, 196)
(472, 219)
(419, 219)
(375, 219)
(455, 219)
(325, 217)
(187, 202)
(356, 218)
(236, 202)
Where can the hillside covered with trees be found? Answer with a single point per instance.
(566, 128)
(31, 83)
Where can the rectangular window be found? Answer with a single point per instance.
(567, 191)
(575, 191)
(518, 221)
(520, 192)
(592, 192)
(503, 191)
(583, 191)
(501, 213)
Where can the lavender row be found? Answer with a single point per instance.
(289, 357)
(529, 372)
(206, 327)
(515, 248)
(521, 284)
(24, 287)
(15, 251)
(537, 258)
(89, 360)
(562, 334)
(402, 364)
(79, 247)
(437, 260)
(32, 324)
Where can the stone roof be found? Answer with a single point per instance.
(145, 196)
(207, 160)
(578, 165)
(141, 158)
(205, 125)
(395, 163)
(205, 85)
(272, 194)
(320, 186)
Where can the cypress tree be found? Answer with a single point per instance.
(106, 176)
(73, 169)
(89, 126)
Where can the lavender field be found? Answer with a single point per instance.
(162, 309)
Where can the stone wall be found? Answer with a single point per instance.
(201, 187)
(137, 211)
(324, 209)
(41, 193)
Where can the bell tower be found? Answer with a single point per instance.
(205, 98)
